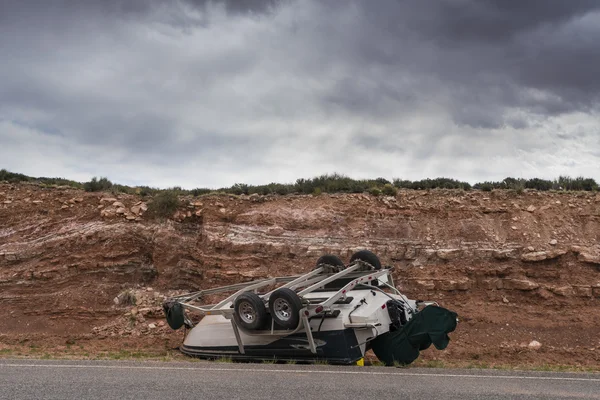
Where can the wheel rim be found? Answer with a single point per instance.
(247, 312)
(282, 309)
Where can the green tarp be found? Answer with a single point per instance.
(430, 325)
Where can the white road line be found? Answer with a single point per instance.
(302, 371)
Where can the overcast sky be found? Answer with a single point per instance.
(207, 94)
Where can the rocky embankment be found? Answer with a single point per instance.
(516, 267)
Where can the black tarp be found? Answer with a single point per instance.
(174, 313)
(429, 326)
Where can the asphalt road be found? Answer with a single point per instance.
(37, 379)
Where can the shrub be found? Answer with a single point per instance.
(239, 188)
(375, 191)
(164, 204)
(579, 183)
(539, 184)
(519, 187)
(127, 298)
(389, 190)
(200, 191)
(97, 185)
(438, 183)
(485, 186)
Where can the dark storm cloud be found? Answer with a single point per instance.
(217, 92)
(489, 49)
(242, 6)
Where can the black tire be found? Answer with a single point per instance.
(368, 257)
(285, 306)
(331, 260)
(249, 311)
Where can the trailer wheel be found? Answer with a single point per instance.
(249, 311)
(285, 306)
(330, 259)
(368, 257)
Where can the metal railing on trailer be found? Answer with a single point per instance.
(302, 284)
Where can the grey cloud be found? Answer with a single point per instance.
(276, 90)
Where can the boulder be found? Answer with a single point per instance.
(542, 255)
(490, 284)
(534, 345)
(452, 285)
(504, 254)
(118, 204)
(555, 253)
(424, 284)
(107, 214)
(531, 208)
(534, 256)
(588, 257)
(564, 291)
(449, 254)
(582, 290)
(410, 253)
(519, 284)
(276, 231)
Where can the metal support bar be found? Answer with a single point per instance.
(208, 310)
(308, 282)
(237, 286)
(255, 286)
(236, 331)
(311, 340)
(298, 281)
(330, 279)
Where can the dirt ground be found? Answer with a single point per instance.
(516, 267)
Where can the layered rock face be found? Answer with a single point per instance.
(66, 254)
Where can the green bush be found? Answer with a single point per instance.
(579, 183)
(485, 186)
(239, 188)
(426, 184)
(389, 190)
(200, 191)
(375, 191)
(328, 183)
(97, 185)
(164, 204)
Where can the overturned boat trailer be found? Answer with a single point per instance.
(335, 313)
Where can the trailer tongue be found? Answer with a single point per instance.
(334, 313)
